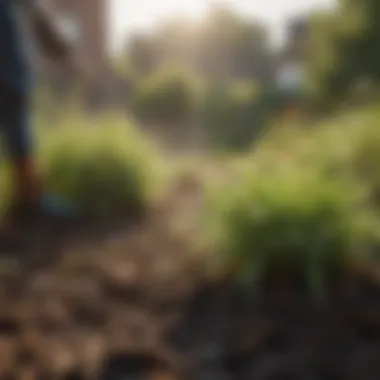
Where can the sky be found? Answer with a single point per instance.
(125, 16)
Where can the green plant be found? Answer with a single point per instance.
(102, 170)
(165, 98)
(365, 157)
(231, 117)
(289, 221)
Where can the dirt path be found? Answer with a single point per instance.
(133, 305)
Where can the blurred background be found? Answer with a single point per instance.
(208, 73)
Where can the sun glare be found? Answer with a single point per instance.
(127, 16)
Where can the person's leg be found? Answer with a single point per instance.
(29, 198)
(19, 145)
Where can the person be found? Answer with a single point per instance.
(29, 199)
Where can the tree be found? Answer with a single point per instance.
(345, 45)
(223, 45)
(233, 47)
(322, 62)
(142, 54)
(166, 98)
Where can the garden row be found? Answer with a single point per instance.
(307, 204)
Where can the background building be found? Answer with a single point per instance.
(84, 22)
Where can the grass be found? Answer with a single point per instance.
(302, 204)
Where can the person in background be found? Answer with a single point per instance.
(30, 200)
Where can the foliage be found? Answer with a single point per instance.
(304, 205)
(142, 53)
(232, 47)
(231, 115)
(344, 59)
(102, 170)
(235, 115)
(165, 98)
(223, 44)
(289, 221)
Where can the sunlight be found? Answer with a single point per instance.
(145, 13)
(127, 16)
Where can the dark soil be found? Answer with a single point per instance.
(134, 305)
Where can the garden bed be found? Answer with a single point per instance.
(135, 305)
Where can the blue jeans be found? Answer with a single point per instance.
(15, 123)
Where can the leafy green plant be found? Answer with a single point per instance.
(365, 161)
(289, 221)
(101, 171)
(165, 98)
(231, 117)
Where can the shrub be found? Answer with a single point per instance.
(347, 147)
(165, 98)
(274, 100)
(231, 117)
(289, 221)
(365, 158)
(102, 171)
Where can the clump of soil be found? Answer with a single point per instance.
(135, 305)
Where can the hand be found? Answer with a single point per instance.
(48, 37)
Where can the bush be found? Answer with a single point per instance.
(273, 100)
(347, 147)
(365, 159)
(231, 117)
(165, 98)
(290, 222)
(102, 171)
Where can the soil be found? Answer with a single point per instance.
(135, 304)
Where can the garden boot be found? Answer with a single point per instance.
(25, 219)
(48, 208)
(31, 204)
